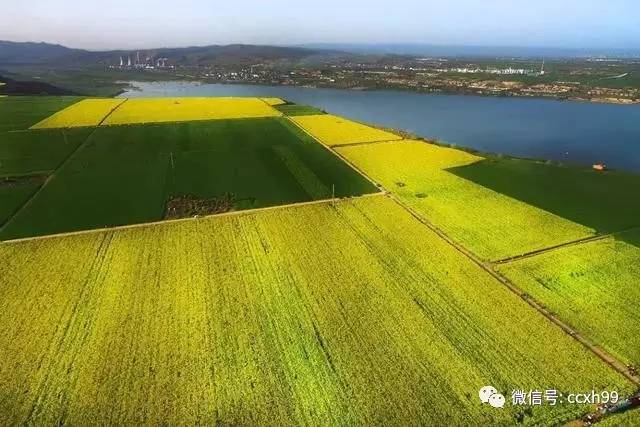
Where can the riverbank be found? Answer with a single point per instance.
(568, 132)
(464, 91)
(493, 156)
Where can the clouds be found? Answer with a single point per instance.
(128, 24)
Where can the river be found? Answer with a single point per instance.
(566, 131)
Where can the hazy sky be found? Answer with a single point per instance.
(155, 23)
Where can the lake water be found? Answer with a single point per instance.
(571, 132)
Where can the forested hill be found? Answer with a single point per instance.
(15, 53)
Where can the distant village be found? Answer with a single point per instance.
(508, 71)
(416, 74)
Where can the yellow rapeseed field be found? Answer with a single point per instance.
(594, 286)
(156, 110)
(491, 224)
(273, 101)
(333, 130)
(346, 313)
(88, 112)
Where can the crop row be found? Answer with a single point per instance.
(339, 313)
(594, 286)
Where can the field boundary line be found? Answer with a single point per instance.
(110, 113)
(357, 144)
(51, 176)
(578, 242)
(378, 186)
(28, 174)
(169, 122)
(33, 127)
(598, 351)
(166, 122)
(195, 218)
(273, 107)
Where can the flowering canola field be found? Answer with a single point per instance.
(335, 313)
(156, 110)
(492, 225)
(334, 131)
(593, 286)
(88, 112)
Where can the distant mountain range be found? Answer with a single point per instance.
(16, 53)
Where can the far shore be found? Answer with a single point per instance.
(612, 101)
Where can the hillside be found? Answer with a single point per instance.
(34, 53)
(18, 87)
(14, 53)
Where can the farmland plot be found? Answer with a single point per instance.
(263, 162)
(604, 201)
(14, 192)
(337, 313)
(104, 185)
(593, 286)
(88, 112)
(298, 110)
(21, 112)
(157, 110)
(333, 130)
(209, 174)
(491, 224)
(37, 151)
(126, 174)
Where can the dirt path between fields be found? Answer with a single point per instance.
(173, 221)
(602, 354)
(335, 153)
(563, 245)
(357, 144)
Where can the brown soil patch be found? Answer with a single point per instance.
(15, 181)
(190, 206)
